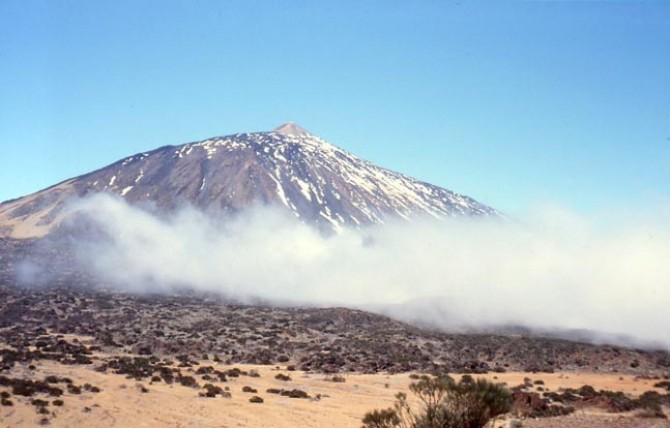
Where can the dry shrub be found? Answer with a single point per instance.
(444, 403)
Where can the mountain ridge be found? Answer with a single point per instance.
(288, 167)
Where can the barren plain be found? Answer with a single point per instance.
(77, 357)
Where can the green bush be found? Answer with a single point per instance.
(444, 403)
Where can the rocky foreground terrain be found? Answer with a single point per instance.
(70, 356)
(331, 340)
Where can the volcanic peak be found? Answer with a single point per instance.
(289, 167)
(290, 128)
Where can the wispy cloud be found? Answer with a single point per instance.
(554, 269)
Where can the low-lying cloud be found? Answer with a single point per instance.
(553, 270)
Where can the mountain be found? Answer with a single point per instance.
(287, 167)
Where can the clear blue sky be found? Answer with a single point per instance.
(513, 103)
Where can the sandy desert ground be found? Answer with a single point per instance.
(77, 359)
(122, 402)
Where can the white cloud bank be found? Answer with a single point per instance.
(554, 270)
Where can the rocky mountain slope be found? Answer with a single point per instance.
(287, 167)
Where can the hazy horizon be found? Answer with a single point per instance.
(555, 270)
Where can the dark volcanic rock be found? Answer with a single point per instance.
(187, 328)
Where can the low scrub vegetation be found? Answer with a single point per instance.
(281, 376)
(444, 403)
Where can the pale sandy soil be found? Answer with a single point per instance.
(627, 384)
(122, 404)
